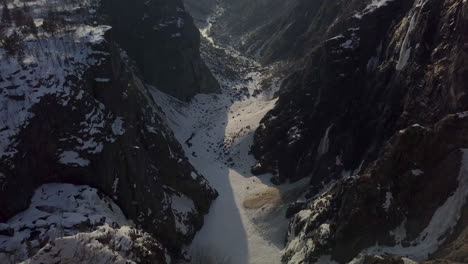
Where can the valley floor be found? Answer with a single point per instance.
(247, 223)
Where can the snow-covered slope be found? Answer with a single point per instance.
(45, 68)
(74, 109)
(74, 224)
(246, 223)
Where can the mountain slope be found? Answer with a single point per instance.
(75, 109)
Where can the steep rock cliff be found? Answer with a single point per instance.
(369, 106)
(375, 77)
(75, 109)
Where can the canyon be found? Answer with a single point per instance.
(266, 131)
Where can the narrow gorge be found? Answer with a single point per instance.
(234, 131)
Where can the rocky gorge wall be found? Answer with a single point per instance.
(91, 121)
(371, 112)
(375, 78)
(372, 72)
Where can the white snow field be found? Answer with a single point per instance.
(216, 132)
(243, 235)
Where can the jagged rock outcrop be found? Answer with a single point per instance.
(164, 42)
(74, 109)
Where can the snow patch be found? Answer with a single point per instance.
(102, 80)
(73, 158)
(117, 127)
(417, 172)
(182, 208)
(405, 50)
(338, 161)
(372, 7)
(388, 201)
(324, 144)
(91, 34)
(462, 115)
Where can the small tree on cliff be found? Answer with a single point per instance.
(19, 17)
(13, 45)
(6, 17)
(31, 26)
(52, 22)
(25, 8)
(3, 29)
